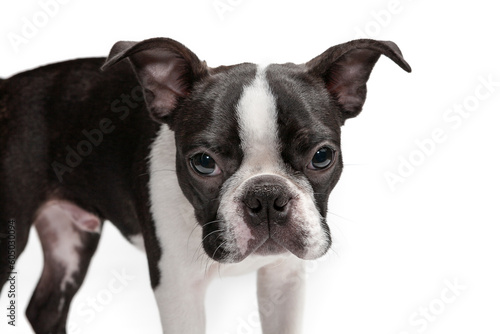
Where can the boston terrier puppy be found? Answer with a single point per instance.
(213, 171)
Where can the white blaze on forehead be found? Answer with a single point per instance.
(257, 117)
(258, 130)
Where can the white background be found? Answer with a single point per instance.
(395, 250)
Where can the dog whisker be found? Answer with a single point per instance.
(355, 165)
(342, 217)
(162, 171)
(222, 244)
(198, 225)
(212, 222)
(219, 266)
(199, 249)
(209, 234)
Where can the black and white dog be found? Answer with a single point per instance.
(241, 160)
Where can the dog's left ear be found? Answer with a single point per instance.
(345, 69)
(166, 69)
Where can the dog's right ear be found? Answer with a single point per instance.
(166, 69)
(345, 70)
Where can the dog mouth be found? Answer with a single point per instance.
(270, 247)
(224, 251)
(226, 247)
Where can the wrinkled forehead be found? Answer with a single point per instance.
(249, 108)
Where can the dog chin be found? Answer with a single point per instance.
(273, 247)
(226, 254)
(270, 247)
(267, 247)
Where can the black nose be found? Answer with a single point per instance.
(267, 200)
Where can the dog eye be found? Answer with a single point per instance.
(204, 164)
(323, 158)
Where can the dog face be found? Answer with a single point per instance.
(260, 162)
(258, 148)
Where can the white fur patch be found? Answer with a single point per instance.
(243, 236)
(175, 225)
(58, 231)
(257, 118)
(183, 263)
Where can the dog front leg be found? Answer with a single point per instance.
(280, 292)
(180, 298)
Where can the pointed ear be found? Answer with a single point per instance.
(166, 69)
(345, 69)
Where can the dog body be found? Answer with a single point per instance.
(234, 175)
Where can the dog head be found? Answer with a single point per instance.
(258, 148)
